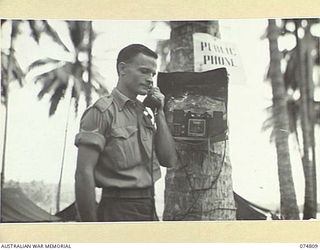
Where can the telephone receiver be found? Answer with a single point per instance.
(152, 102)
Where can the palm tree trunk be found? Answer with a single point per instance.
(185, 195)
(307, 109)
(62, 158)
(289, 207)
(309, 66)
(6, 104)
(89, 50)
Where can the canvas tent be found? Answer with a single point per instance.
(246, 210)
(17, 207)
(69, 213)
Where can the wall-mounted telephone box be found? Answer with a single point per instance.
(196, 103)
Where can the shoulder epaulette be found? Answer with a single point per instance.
(104, 103)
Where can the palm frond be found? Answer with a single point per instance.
(61, 70)
(4, 71)
(87, 93)
(56, 80)
(54, 35)
(56, 97)
(3, 92)
(53, 79)
(35, 33)
(48, 84)
(75, 94)
(272, 136)
(42, 62)
(15, 28)
(16, 71)
(76, 106)
(76, 29)
(41, 77)
(17, 76)
(268, 123)
(76, 89)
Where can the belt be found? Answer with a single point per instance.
(127, 193)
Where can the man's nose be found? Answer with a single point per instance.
(149, 81)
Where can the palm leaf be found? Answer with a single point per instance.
(87, 93)
(56, 97)
(75, 94)
(35, 33)
(48, 84)
(76, 29)
(41, 77)
(3, 92)
(61, 70)
(15, 28)
(54, 35)
(42, 62)
(272, 136)
(16, 71)
(4, 71)
(269, 121)
(76, 89)
(18, 77)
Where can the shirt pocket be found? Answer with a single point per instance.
(123, 148)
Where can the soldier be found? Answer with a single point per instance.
(119, 150)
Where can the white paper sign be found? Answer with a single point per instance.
(212, 53)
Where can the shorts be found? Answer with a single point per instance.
(126, 209)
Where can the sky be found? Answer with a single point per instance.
(35, 141)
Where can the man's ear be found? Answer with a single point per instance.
(122, 68)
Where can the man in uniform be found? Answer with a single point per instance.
(119, 150)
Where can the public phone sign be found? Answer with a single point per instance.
(212, 53)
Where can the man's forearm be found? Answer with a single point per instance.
(165, 146)
(85, 196)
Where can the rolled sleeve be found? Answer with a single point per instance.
(90, 138)
(92, 129)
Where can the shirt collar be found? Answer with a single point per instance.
(122, 99)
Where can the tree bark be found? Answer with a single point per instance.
(201, 187)
(307, 124)
(6, 100)
(288, 202)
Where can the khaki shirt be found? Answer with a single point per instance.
(120, 129)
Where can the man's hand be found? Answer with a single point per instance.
(155, 92)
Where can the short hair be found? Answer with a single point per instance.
(129, 52)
